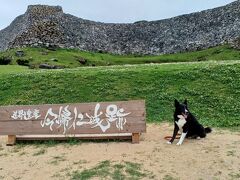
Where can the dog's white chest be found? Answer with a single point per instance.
(181, 122)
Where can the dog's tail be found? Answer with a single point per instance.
(208, 130)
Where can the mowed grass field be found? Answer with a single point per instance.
(212, 88)
(71, 58)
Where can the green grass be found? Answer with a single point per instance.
(169, 177)
(12, 69)
(110, 170)
(70, 57)
(57, 159)
(212, 88)
(40, 152)
(235, 176)
(39, 144)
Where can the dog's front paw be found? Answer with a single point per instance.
(169, 142)
(179, 144)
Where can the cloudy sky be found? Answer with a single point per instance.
(117, 11)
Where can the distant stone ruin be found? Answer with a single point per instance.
(43, 25)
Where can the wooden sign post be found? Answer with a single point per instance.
(124, 119)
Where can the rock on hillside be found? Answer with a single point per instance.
(43, 25)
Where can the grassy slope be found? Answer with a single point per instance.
(12, 69)
(212, 88)
(69, 58)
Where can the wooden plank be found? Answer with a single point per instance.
(34, 127)
(59, 121)
(135, 108)
(85, 107)
(6, 115)
(125, 136)
(11, 140)
(137, 104)
(135, 138)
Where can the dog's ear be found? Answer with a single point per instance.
(185, 102)
(176, 103)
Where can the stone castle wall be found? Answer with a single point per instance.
(49, 25)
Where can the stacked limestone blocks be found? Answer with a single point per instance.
(47, 25)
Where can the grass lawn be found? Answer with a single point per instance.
(12, 69)
(212, 88)
(70, 57)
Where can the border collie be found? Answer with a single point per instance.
(187, 124)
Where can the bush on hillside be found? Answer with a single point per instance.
(23, 62)
(5, 60)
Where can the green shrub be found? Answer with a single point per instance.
(5, 60)
(23, 62)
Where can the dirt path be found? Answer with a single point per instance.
(216, 157)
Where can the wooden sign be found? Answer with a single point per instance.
(73, 119)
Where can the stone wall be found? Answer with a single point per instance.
(48, 25)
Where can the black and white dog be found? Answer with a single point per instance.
(187, 124)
